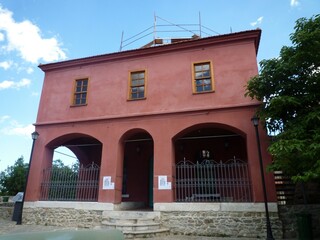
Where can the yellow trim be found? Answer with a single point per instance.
(194, 91)
(129, 85)
(74, 92)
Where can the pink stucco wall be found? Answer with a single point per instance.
(169, 108)
(169, 85)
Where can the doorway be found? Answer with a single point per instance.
(137, 184)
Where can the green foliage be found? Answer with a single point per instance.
(13, 179)
(58, 164)
(289, 89)
(297, 149)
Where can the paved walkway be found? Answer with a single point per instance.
(7, 227)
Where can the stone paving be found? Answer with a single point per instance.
(7, 227)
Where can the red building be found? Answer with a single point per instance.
(167, 128)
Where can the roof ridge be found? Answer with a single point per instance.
(126, 53)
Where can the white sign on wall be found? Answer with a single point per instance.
(163, 183)
(107, 184)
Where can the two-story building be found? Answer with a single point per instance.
(165, 129)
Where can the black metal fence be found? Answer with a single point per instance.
(65, 184)
(210, 181)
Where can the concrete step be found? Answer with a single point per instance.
(127, 221)
(127, 215)
(134, 224)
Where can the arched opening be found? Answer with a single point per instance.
(87, 149)
(211, 164)
(65, 156)
(137, 183)
(222, 142)
(63, 181)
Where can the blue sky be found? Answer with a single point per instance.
(42, 31)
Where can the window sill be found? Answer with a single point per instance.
(196, 93)
(78, 105)
(136, 99)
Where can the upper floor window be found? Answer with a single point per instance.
(202, 77)
(137, 85)
(80, 92)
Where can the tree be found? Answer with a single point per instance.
(13, 179)
(289, 89)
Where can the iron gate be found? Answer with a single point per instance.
(64, 184)
(210, 181)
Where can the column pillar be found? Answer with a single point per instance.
(110, 186)
(163, 168)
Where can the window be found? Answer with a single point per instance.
(137, 85)
(80, 92)
(202, 77)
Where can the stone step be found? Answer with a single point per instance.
(132, 227)
(134, 224)
(127, 221)
(128, 215)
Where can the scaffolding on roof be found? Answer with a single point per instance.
(190, 31)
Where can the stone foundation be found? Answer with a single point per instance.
(221, 224)
(201, 219)
(220, 220)
(6, 210)
(62, 217)
(66, 214)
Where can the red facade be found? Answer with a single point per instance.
(138, 131)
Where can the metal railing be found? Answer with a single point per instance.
(210, 181)
(65, 184)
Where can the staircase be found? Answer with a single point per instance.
(285, 188)
(134, 224)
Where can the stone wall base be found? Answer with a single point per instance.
(66, 214)
(220, 219)
(233, 220)
(64, 217)
(6, 211)
(221, 224)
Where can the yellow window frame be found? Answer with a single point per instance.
(135, 84)
(82, 92)
(202, 78)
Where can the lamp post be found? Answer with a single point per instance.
(34, 136)
(255, 121)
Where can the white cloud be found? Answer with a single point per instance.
(257, 22)
(294, 3)
(1, 36)
(14, 128)
(17, 129)
(17, 85)
(29, 70)
(4, 118)
(6, 64)
(18, 68)
(25, 38)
